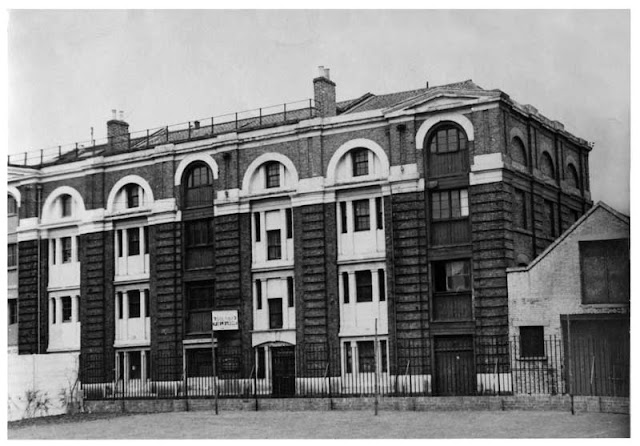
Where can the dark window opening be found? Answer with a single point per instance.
(272, 174)
(135, 364)
(453, 276)
(133, 195)
(348, 358)
(12, 205)
(145, 232)
(343, 217)
(119, 242)
(274, 246)
(379, 216)
(53, 311)
(200, 297)
(133, 241)
(66, 308)
(65, 201)
(289, 215)
(383, 356)
(345, 287)
(12, 311)
(290, 292)
(262, 363)
(258, 294)
(66, 249)
(361, 215)
(199, 240)
(199, 362)
(199, 186)
(360, 161)
(366, 357)
(532, 342)
(146, 303)
(256, 224)
(275, 313)
(449, 204)
(381, 285)
(134, 303)
(119, 305)
(364, 289)
(54, 251)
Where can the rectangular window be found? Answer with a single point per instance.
(65, 201)
(360, 160)
(290, 291)
(272, 174)
(262, 363)
(345, 287)
(449, 204)
(53, 310)
(383, 356)
(199, 362)
(549, 218)
(361, 215)
(343, 217)
(200, 297)
(133, 196)
(12, 311)
(133, 241)
(347, 358)
(275, 313)
(532, 342)
(274, 247)
(145, 232)
(146, 303)
(12, 205)
(520, 219)
(256, 224)
(134, 303)
(289, 215)
(119, 305)
(66, 249)
(366, 357)
(198, 233)
(379, 215)
(119, 242)
(135, 364)
(452, 276)
(54, 246)
(363, 286)
(605, 271)
(66, 308)
(12, 255)
(258, 294)
(382, 292)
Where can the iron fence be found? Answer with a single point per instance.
(444, 366)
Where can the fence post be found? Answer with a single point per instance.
(236, 120)
(285, 112)
(147, 137)
(260, 119)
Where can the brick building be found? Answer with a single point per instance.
(577, 291)
(373, 228)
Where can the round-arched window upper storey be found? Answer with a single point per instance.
(518, 151)
(358, 160)
(433, 123)
(571, 175)
(270, 172)
(546, 165)
(63, 204)
(130, 193)
(12, 205)
(197, 185)
(447, 137)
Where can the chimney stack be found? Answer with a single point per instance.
(324, 93)
(117, 132)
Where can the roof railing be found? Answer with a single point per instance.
(174, 133)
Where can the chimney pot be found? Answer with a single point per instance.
(113, 113)
(326, 73)
(321, 70)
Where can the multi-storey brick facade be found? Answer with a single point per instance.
(387, 217)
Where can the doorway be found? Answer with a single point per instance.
(454, 366)
(283, 362)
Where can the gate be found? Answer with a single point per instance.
(454, 366)
(283, 366)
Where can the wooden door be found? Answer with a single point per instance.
(454, 366)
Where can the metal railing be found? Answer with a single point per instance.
(485, 366)
(174, 133)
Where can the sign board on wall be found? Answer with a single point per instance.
(224, 320)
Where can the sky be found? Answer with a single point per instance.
(68, 69)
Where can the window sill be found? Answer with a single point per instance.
(532, 358)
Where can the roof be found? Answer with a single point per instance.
(370, 101)
(572, 228)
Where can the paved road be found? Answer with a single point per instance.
(335, 424)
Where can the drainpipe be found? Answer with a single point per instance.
(39, 270)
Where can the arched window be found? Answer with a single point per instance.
(133, 195)
(447, 138)
(448, 151)
(198, 186)
(572, 176)
(518, 151)
(12, 205)
(546, 165)
(272, 174)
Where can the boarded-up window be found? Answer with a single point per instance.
(518, 152)
(605, 271)
(532, 341)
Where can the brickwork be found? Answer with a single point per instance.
(33, 317)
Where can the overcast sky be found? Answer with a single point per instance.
(68, 69)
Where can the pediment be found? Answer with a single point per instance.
(439, 101)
